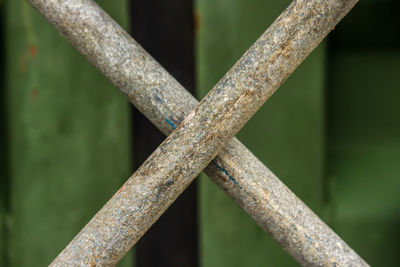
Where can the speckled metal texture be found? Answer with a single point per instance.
(201, 135)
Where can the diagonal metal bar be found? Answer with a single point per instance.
(165, 102)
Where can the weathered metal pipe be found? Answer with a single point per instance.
(177, 161)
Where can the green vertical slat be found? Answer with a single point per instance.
(286, 134)
(364, 152)
(3, 146)
(69, 136)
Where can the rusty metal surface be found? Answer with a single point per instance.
(202, 134)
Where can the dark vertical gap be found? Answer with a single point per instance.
(371, 26)
(4, 149)
(165, 30)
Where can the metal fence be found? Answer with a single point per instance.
(200, 133)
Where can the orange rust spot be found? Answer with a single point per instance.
(285, 48)
(282, 52)
(92, 264)
(122, 188)
(22, 63)
(222, 177)
(207, 139)
(196, 20)
(32, 50)
(34, 94)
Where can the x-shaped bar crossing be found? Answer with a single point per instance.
(202, 134)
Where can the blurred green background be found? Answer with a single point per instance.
(331, 133)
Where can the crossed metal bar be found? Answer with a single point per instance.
(199, 133)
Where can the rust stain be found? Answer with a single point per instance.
(222, 177)
(32, 50)
(286, 49)
(122, 188)
(281, 52)
(34, 94)
(208, 138)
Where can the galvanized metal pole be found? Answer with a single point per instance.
(259, 72)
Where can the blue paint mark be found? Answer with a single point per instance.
(170, 123)
(227, 174)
